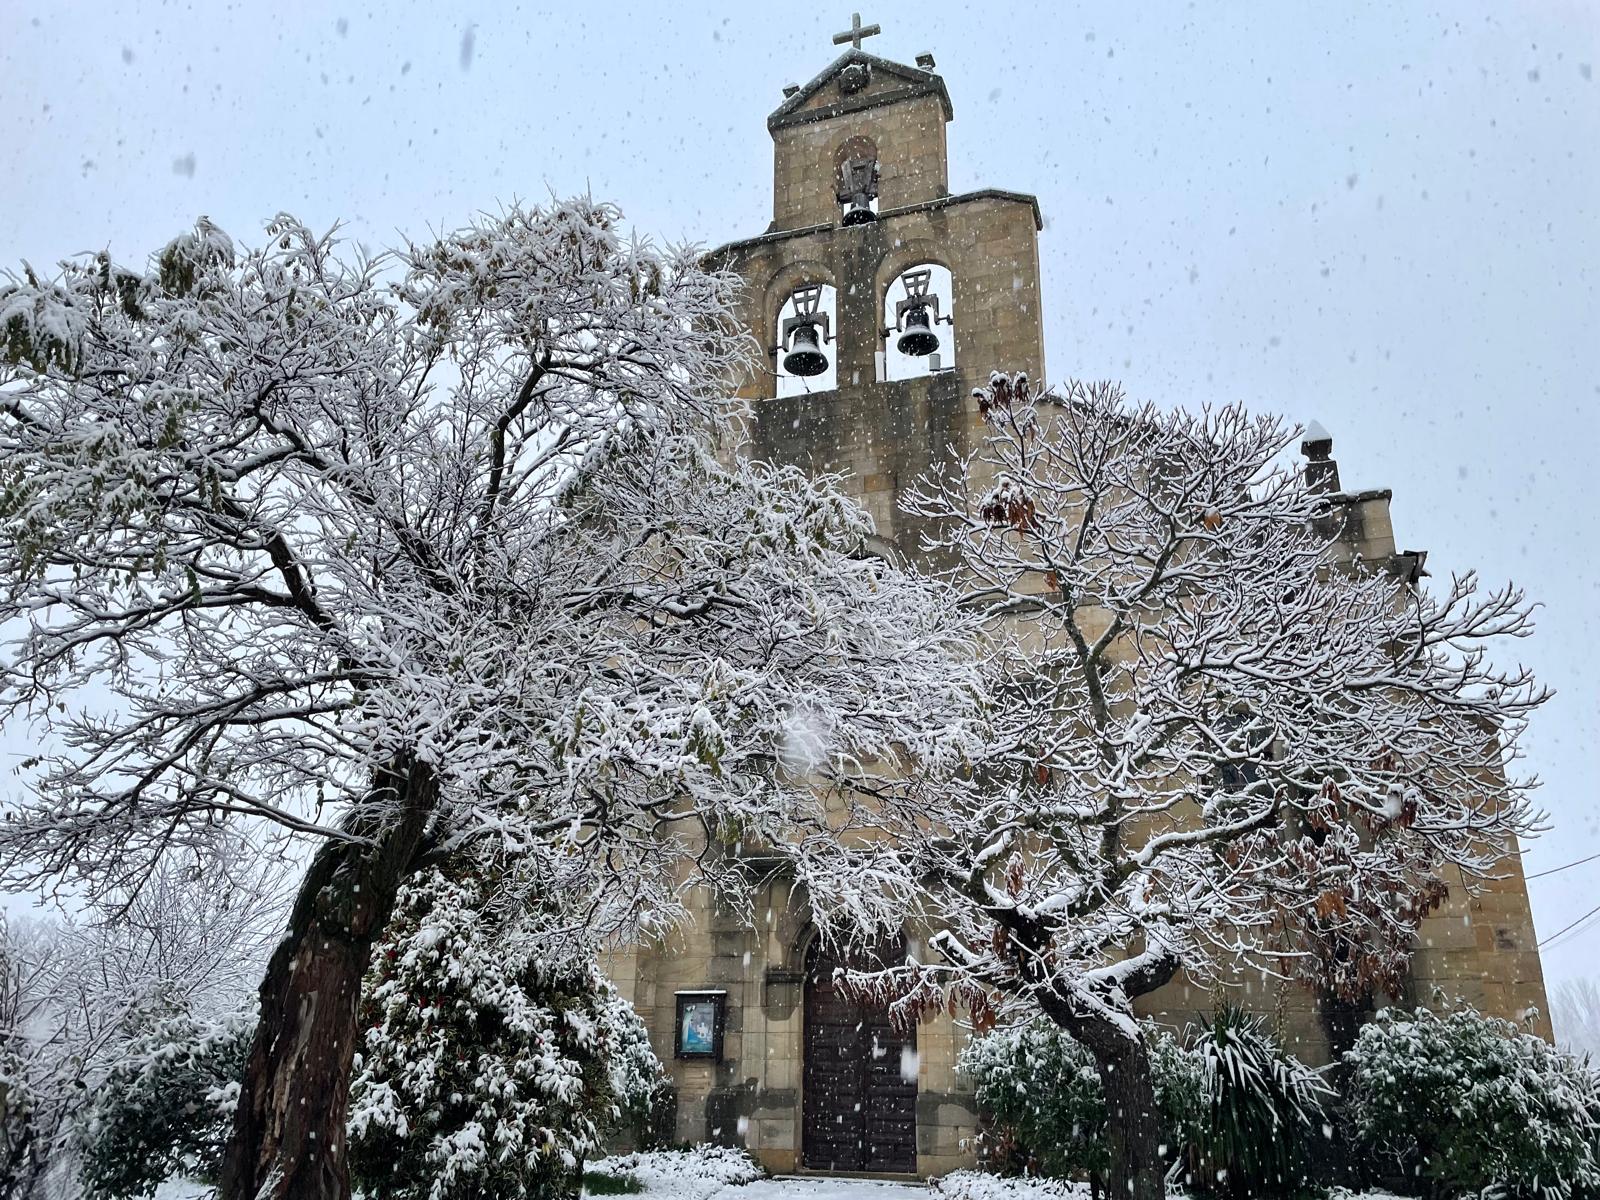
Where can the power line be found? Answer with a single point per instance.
(1564, 867)
(1579, 921)
(1578, 926)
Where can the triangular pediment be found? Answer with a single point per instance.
(886, 82)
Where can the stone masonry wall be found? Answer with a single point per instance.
(753, 1097)
(911, 157)
(884, 435)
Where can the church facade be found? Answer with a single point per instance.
(881, 300)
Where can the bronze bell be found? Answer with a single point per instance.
(859, 212)
(919, 338)
(805, 355)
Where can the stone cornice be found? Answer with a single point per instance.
(779, 235)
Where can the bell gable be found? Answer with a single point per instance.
(856, 81)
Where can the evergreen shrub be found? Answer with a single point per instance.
(1236, 1109)
(488, 1070)
(166, 1108)
(1259, 1111)
(1463, 1103)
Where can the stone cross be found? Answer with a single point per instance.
(856, 32)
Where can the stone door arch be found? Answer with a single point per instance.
(860, 1079)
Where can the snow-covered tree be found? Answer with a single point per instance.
(120, 990)
(1204, 725)
(418, 556)
(1575, 1014)
(492, 1062)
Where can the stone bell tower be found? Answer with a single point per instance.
(879, 299)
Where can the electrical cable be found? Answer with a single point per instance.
(1565, 867)
(1579, 921)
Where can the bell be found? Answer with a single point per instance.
(919, 338)
(859, 212)
(805, 356)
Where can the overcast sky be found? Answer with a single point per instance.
(1381, 215)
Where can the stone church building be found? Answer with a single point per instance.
(882, 300)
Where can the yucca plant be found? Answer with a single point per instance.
(1259, 1109)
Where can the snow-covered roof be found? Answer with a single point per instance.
(914, 80)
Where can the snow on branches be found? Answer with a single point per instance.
(421, 555)
(301, 520)
(1205, 726)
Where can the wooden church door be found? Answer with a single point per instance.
(860, 1081)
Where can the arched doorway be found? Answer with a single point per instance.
(860, 1079)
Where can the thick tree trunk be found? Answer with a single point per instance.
(1341, 1023)
(289, 1134)
(1133, 1123)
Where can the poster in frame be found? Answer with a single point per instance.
(701, 1016)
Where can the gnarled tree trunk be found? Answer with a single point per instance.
(289, 1134)
(1122, 1060)
(1133, 1123)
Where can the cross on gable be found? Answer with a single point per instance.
(856, 32)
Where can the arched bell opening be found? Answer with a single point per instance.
(805, 358)
(918, 322)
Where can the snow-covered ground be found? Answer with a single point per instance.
(710, 1173)
(978, 1185)
(728, 1175)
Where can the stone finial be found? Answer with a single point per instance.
(925, 61)
(1317, 444)
(1322, 473)
(790, 89)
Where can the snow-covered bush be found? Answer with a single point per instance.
(19, 1133)
(682, 1174)
(1041, 1094)
(490, 1065)
(166, 1108)
(1234, 1107)
(1259, 1110)
(1469, 1103)
(636, 1075)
